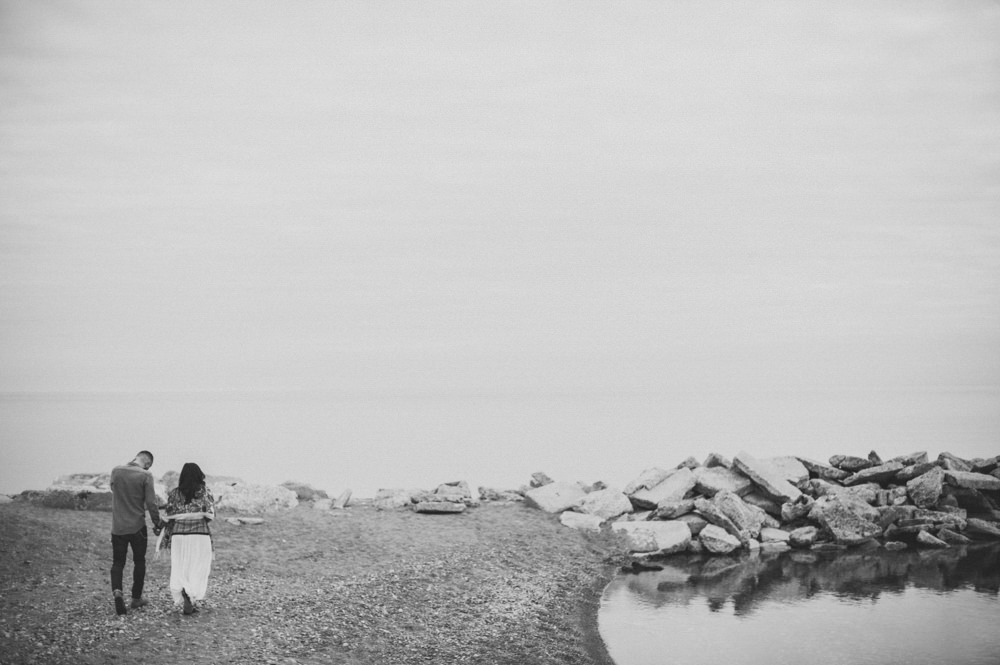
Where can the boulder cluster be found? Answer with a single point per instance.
(719, 506)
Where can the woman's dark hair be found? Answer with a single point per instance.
(191, 480)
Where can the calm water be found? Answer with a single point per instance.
(875, 608)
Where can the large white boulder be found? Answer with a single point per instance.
(555, 497)
(717, 540)
(606, 504)
(251, 498)
(712, 480)
(766, 476)
(664, 537)
(387, 499)
(672, 488)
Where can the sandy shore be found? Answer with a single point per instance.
(501, 583)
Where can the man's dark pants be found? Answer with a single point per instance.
(119, 548)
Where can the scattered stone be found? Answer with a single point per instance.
(971, 480)
(894, 545)
(694, 521)
(491, 494)
(766, 477)
(790, 468)
(875, 474)
(972, 501)
(771, 535)
(439, 507)
(555, 497)
(908, 473)
(251, 498)
(951, 462)
(690, 464)
(711, 480)
(850, 463)
(767, 504)
(717, 540)
(986, 466)
(850, 522)
(925, 539)
(717, 460)
(669, 510)
(748, 519)
(388, 499)
(580, 521)
(540, 478)
(304, 491)
(606, 504)
(911, 459)
(798, 509)
(925, 490)
(713, 515)
(673, 488)
(343, 500)
(655, 536)
(978, 527)
(952, 537)
(647, 479)
(823, 471)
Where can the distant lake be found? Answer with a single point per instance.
(869, 607)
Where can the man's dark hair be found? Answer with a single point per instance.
(191, 480)
(147, 454)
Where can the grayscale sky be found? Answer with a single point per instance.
(383, 244)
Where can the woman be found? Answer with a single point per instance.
(190, 507)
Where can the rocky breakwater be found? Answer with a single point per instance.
(720, 506)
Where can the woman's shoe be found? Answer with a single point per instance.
(188, 607)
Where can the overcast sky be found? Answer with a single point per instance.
(500, 199)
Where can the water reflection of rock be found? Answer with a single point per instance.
(747, 581)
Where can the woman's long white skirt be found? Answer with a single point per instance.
(190, 564)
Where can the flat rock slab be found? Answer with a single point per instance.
(649, 478)
(767, 477)
(824, 471)
(717, 540)
(439, 507)
(663, 537)
(673, 488)
(978, 527)
(875, 474)
(971, 480)
(925, 490)
(790, 468)
(606, 504)
(712, 480)
(555, 497)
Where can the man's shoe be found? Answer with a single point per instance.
(139, 602)
(120, 608)
(188, 607)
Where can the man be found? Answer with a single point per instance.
(132, 495)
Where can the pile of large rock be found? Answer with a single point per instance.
(447, 498)
(719, 506)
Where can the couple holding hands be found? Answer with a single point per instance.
(184, 530)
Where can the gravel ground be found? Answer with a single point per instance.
(501, 583)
